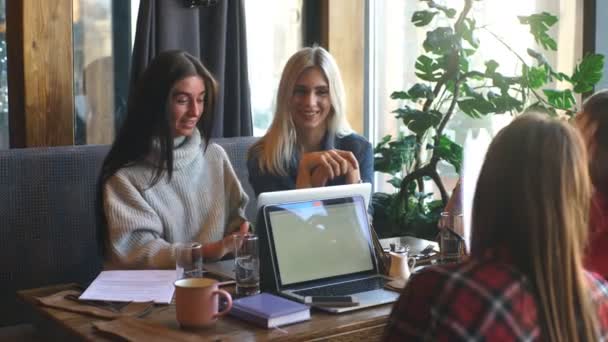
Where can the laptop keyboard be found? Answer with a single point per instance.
(345, 289)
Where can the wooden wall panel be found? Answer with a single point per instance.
(42, 36)
(346, 42)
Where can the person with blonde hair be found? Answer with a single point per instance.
(525, 279)
(592, 121)
(309, 143)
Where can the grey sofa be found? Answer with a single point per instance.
(47, 217)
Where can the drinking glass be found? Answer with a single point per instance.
(247, 264)
(189, 260)
(451, 242)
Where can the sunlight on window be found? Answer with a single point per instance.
(4, 139)
(397, 44)
(274, 33)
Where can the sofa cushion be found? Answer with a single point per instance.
(48, 225)
(47, 220)
(237, 148)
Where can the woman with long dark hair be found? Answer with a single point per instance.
(162, 181)
(525, 279)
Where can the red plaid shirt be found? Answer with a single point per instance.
(475, 301)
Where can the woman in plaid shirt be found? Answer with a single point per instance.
(525, 279)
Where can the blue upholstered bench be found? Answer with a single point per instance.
(47, 217)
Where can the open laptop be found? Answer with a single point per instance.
(323, 248)
(324, 192)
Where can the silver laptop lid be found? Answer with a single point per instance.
(319, 241)
(308, 194)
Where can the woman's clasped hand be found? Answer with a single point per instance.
(317, 168)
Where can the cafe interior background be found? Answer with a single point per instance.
(65, 64)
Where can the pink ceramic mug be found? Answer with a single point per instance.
(196, 304)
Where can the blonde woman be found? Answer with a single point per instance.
(309, 143)
(525, 280)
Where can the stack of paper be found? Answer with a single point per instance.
(132, 286)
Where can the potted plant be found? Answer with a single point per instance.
(448, 82)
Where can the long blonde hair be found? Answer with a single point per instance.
(532, 200)
(275, 149)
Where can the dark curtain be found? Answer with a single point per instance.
(216, 34)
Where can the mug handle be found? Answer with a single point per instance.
(228, 297)
(411, 262)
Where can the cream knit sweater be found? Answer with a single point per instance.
(203, 202)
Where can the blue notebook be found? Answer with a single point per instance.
(269, 311)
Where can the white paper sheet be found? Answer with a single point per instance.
(132, 286)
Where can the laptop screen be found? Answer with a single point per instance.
(319, 239)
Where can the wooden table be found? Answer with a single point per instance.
(362, 325)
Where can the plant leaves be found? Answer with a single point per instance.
(535, 77)
(418, 121)
(428, 69)
(491, 67)
(468, 33)
(539, 26)
(440, 41)
(560, 99)
(421, 91)
(449, 12)
(588, 73)
(392, 156)
(423, 18)
(474, 104)
(506, 103)
(449, 151)
(395, 181)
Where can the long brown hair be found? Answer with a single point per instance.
(594, 115)
(532, 200)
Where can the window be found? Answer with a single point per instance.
(4, 138)
(101, 58)
(601, 44)
(274, 33)
(395, 43)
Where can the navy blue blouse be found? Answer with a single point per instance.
(358, 145)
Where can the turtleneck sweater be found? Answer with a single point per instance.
(202, 202)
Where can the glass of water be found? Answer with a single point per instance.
(189, 260)
(451, 242)
(247, 264)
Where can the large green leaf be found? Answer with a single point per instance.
(440, 41)
(505, 103)
(418, 121)
(417, 91)
(392, 156)
(449, 12)
(560, 99)
(535, 77)
(421, 91)
(539, 25)
(423, 18)
(468, 32)
(428, 69)
(449, 151)
(491, 67)
(588, 73)
(544, 63)
(474, 104)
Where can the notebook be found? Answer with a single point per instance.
(269, 311)
(323, 248)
